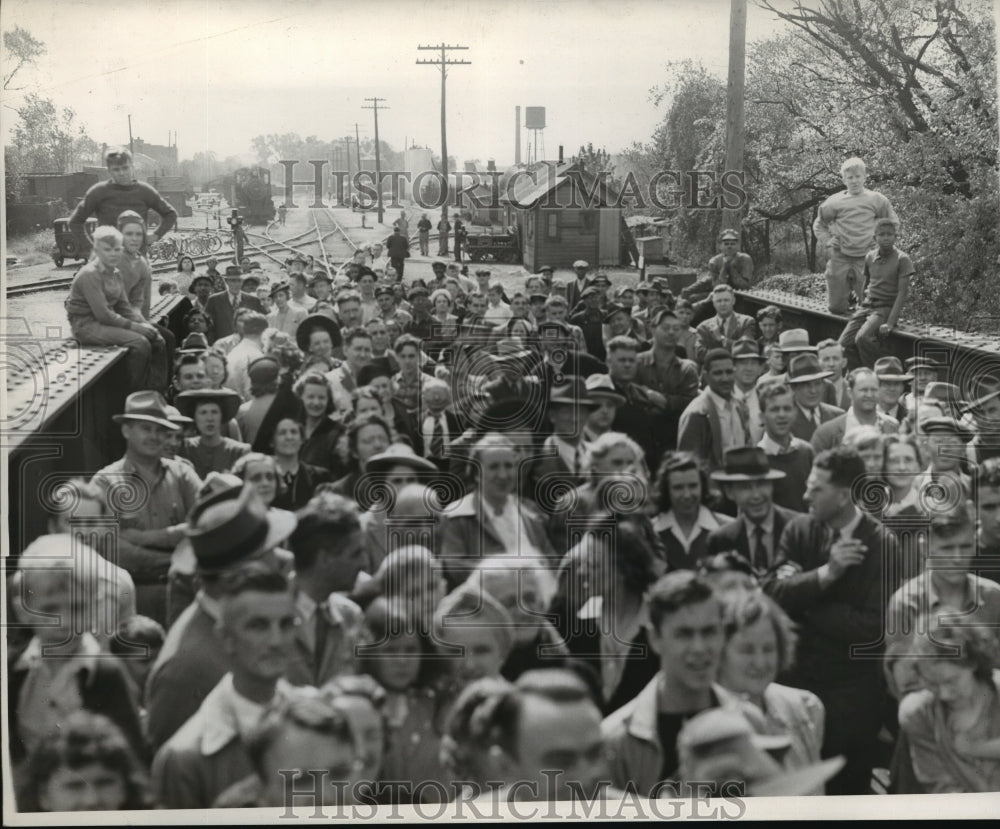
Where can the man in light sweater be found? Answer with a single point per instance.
(845, 226)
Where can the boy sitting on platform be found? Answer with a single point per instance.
(887, 273)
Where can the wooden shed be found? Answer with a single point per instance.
(556, 227)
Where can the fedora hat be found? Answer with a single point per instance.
(174, 416)
(194, 343)
(572, 392)
(943, 393)
(747, 349)
(228, 401)
(320, 275)
(233, 525)
(913, 363)
(945, 425)
(795, 339)
(233, 272)
(891, 369)
(804, 368)
(746, 463)
(312, 322)
(398, 454)
(146, 405)
(600, 387)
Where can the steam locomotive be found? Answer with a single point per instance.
(249, 191)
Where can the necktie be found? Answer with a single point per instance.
(322, 634)
(759, 554)
(437, 439)
(815, 417)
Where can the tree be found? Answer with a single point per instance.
(22, 49)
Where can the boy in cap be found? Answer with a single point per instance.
(730, 267)
(845, 227)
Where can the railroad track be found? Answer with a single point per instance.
(325, 227)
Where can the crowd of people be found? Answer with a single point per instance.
(415, 542)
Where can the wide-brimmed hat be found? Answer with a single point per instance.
(228, 401)
(280, 286)
(572, 392)
(398, 454)
(590, 290)
(312, 322)
(601, 279)
(645, 287)
(747, 349)
(194, 343)
(891, 369)
(233, 272)
(320, 275)
(252, 279)
(794, 339)
(601, 387)
(148, 406)
(945, 425)
(746, 463)
(804, 368)
(233, 525)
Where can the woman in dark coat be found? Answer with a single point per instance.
(298, 480)
(323, 430)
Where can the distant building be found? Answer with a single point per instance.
(164, 158)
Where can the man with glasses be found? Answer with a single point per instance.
(107, 200)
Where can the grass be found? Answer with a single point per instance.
(32, 248)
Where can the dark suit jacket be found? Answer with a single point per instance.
(830, 395)
(221, 313)
(573, 292)
(804, 429)
(709, 336)
(733, 535)
(848, 613)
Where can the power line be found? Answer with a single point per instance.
(444, 62)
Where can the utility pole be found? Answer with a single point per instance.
(357, 143)
(735, 119)
(378, 162)
(131, 144)
(444, 61)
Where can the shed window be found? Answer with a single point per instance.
(552, 225)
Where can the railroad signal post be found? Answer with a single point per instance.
(236, 223)
(444, 62)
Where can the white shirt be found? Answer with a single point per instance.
(772, 447)
(733, 433)
(238, 362)
(883, 422)
(498, 313)
(706, 522)
(507, 525)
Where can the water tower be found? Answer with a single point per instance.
(534, 120)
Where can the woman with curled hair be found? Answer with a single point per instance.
(366, 437)
(298, 480)
(85, 764)
(492, 518)
(612, 455)
(600, 603)
(684, 520)
(902, 463)
(953, 725)
(760, 644)
(185, 274)
(216, 368)
(322, 428)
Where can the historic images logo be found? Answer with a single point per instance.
(494, 190)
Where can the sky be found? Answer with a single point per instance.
(219, 73)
